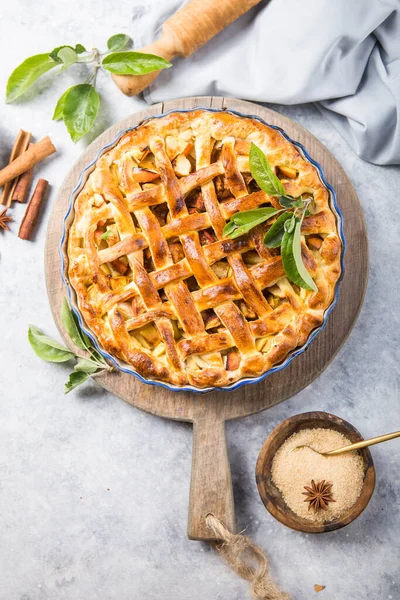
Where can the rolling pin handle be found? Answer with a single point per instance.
(184, 33)
(166, 46)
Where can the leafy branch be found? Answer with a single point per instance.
(78, 106)
(52, 351)
(286, 230)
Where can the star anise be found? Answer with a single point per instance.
(4, 219)
(318, 495)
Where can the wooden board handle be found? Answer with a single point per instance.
(211, 482)
(185, 32)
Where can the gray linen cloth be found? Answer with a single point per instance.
(342, 54)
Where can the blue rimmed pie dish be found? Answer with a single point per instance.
(153, 281)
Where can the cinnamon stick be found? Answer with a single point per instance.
(20, 145)
(27, 160)
(22, 187)
(32, 210)
(23, 184)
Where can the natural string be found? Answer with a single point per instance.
(246, 559)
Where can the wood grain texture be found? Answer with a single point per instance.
(271, 496)
(211, 489)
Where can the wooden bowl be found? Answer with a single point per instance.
(271, 496)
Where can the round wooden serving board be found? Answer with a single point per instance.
(211, 486)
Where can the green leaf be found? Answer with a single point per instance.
(81, 105)
(242, 229)
(75, 379)
(134, 63)
(105, 235)
(71, 325)
(287, 202)
(247, 216)
(26, 74)
(59, 53)
(99, 358)
(263, 173)
(117, 42)
(68, 57)
(85, 338)
(245, 221)
(46, 348)
(292, 260)
(59, 109)
(273, 237)
(54, 53)
(86, 365)
(299, 203)
(290, 224)
(229, 228)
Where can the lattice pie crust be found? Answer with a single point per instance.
(155, 280)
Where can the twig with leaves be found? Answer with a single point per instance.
(78, 106)
(285, 232)
(92, 363)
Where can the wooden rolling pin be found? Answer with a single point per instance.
(184, 33)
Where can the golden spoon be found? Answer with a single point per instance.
(356, 446)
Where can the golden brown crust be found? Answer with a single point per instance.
(156, 281)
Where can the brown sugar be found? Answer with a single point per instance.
(294, 469)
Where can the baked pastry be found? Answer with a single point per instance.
(155, 280)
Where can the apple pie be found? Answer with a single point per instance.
(156, 281)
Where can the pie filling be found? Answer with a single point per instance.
(157, 282)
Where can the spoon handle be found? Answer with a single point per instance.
(364, 443)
